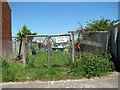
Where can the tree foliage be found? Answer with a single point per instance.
(96, 25)
(100, 25)
(24, 31)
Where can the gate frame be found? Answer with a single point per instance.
(73, 41)
(25, 47)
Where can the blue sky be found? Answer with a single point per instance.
(58, 17)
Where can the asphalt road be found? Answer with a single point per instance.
(109, 81)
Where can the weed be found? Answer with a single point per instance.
(89, 65)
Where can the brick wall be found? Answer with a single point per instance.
(0, 29)
(6, 18)
(6, 33)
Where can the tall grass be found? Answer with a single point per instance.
(58, 58)
(88, 66)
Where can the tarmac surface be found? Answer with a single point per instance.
(108, 81)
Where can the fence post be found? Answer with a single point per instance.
(24, 51)
(26, 47)
(70, 49)
(48, 51)
(73, 48)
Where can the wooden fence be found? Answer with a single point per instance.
(114, 43)
(25, 46)
(85, 41)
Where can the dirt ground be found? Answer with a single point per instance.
(109, 81)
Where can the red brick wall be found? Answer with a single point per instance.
(0, 29)
(6, 22)
(6, 29)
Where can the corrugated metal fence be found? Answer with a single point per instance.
(115, 45)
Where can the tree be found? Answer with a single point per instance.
(25, 31)
(96, 25)
(100, 25)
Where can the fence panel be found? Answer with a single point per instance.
(113, 42)
(85, 42)
(98, 42)
(118, 48)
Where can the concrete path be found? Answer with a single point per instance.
(109, 81)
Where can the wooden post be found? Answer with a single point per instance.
(48, 51)
(70, 49)
(24, 51)
(73, 48)
(26, 47)
(17, 47)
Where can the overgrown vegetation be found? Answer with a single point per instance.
(96, 25)
(92, 65)
(99, 25)
(88, 66)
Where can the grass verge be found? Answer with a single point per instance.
(88, 66)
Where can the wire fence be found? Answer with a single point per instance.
(94, 43)
(46, 51)
(38, 48)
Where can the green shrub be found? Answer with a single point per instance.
(92, 65)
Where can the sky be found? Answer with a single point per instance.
(58, 17)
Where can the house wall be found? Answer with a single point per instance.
(5, 32)
(6, 29)
(0, 29)
(6, 17)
